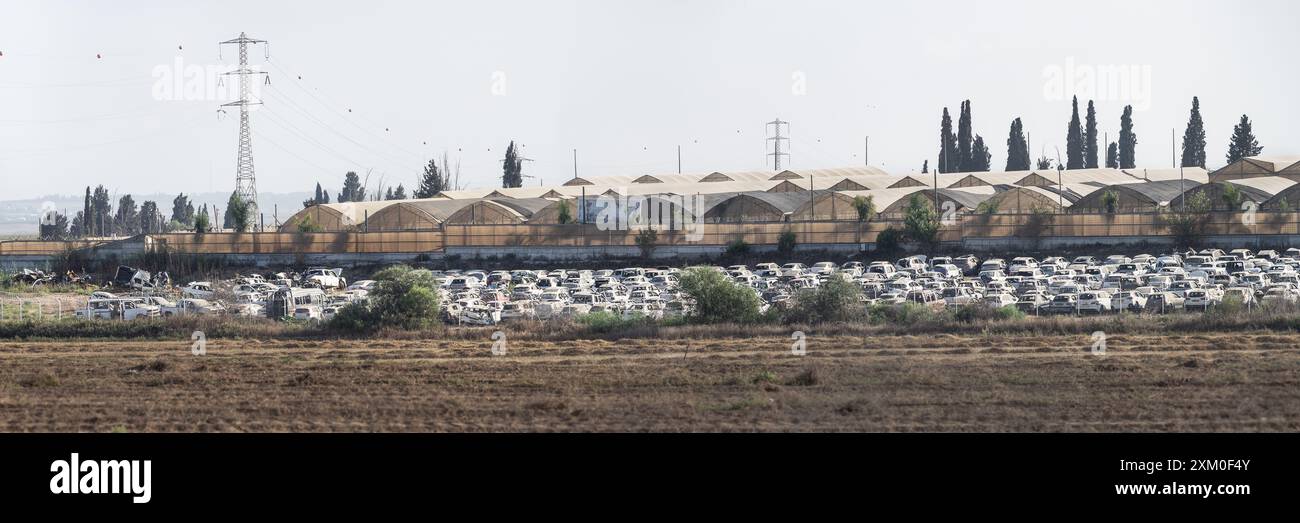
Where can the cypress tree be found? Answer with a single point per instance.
(965, 159)
(1243, 142)
(512, 169)
(1194, 138)
(1112, 156)
(87, 226)
(1090, 138)
(1074, 140)
(948, 159)
(1017, 148)
(981, 159)
(1127, 140)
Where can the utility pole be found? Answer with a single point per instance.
(245, 181)
(679, 159)
(776, 153)
(866, 152)
(575, 164)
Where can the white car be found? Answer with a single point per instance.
(117, 309)
(363, 285)
(1094, 301)
(324, 278)
(1128, 301)
(518, 310)
(307, 313)
(198, 289)
(997, 301)
(1202, 299)
(190, 306)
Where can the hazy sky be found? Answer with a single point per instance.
(623, 82)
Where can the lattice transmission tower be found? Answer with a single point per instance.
(776, 153)
(245, 180)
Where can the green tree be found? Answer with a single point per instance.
(53, 227)
(512, 169)
(403, 298)
(717, 298)
(1090, 138)
(1194, 138)
(182, 210)
(151, 221)
(127, 220)
(786, 242)
(432, 182)
(866, 207)
(202, 221)
(646, 241)
(1017, 148)
(352, 189)
(836, 300)
(87, 227)
(322, 196)
(399, 193)
(76, 226)
(920, 221)
(1127, 140)
(1232, 196)
(965, 140)
(981, 159)
(1243, 143)
(566, 215)
(1187, 222)
(237, 216)
(948, 157)
(101, 218)
(1074, 140)
(1112, 156)
(925, 167)
(1043, 163)
(1110, 201)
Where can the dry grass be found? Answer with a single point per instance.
(932, 382)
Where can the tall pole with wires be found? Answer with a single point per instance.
(245, 180)
(776, 153)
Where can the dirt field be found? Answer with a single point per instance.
(1240, 382)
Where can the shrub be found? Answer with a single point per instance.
(865, 206)
(602, 322)
(646, 240)
(888, 240)
(921, 220)
(717, 298)
(976, 313)
(1110, 200)
(737, 248)
(403, 298)
(786, 242)
(835, 300)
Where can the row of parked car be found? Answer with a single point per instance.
(314, 294)
(1194, 280)
(1086, 284)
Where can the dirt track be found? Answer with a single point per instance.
(1239, 382)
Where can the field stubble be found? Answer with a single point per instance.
(944, 382)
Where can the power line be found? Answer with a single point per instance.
(300, 110)
(321, 99)
(245, 178)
